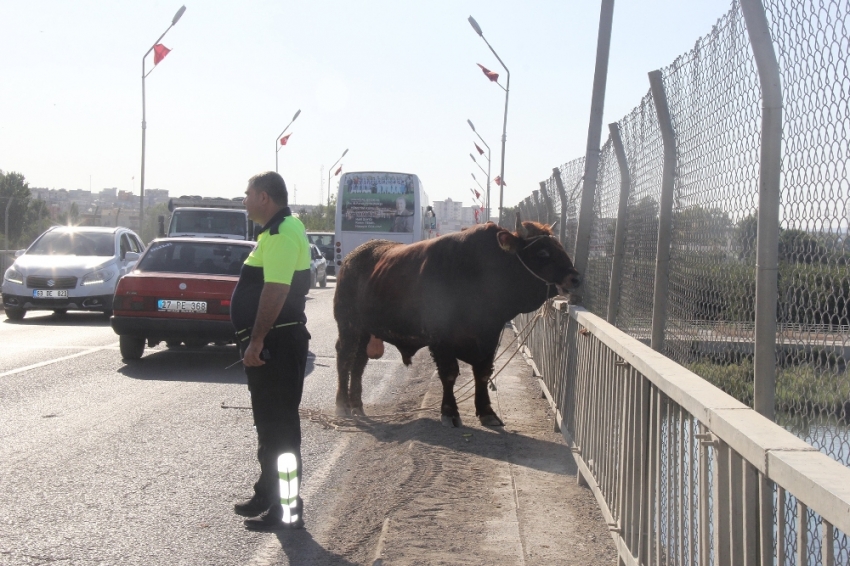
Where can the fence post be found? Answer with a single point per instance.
(562, 193)
(550, 209)
(770, 162)
(622, 219)
(665, 212)
(767, 251)
(594, 135)
(535, 197)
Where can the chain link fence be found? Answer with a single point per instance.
(714, 97)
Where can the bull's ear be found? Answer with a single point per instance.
(508, 241)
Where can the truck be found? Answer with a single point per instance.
(205, 217)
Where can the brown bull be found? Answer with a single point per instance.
(453, 294)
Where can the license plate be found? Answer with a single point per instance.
(169, 305)
(49, 294)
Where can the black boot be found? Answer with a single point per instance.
(272, 520)
(254, 506)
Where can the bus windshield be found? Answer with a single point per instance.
(378, 202)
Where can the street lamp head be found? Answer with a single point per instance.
(470, 125)
(473, 176)
(344, 152)
(296, 115)
(178, 15)
(475, 26)
(472, 157)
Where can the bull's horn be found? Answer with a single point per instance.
(520, 229)
(552, 226)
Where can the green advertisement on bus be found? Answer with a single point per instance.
(378, 202)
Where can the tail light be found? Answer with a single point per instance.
(224, 307)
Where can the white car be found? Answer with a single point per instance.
(70, 268)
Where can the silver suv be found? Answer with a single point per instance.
(70, 268)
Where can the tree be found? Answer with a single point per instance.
(37, 221)
(321, 219)
(14, 187)
(150, 229)
(746, 236)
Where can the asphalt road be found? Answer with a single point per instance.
(105, 462)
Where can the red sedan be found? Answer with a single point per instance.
(178, 292)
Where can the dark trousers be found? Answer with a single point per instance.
(276, 389)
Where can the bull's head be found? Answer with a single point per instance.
(541, 253)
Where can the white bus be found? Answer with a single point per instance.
(381, 205)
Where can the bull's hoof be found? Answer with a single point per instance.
(357, 412)
(451, 421)
(490, 420)
(342, 411)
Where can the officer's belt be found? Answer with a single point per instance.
(247, 331)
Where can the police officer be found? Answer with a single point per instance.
(267, 310)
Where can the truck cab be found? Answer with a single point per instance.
(208, 218)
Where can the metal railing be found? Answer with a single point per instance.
(683, 472)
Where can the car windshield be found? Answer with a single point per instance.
(321, 239)
(74, 243)
(194, 257)
(209, 222)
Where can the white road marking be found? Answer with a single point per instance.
(56, 360)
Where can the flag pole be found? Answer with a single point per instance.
(174, 20)
(277, 139)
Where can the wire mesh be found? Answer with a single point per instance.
(605, 209)
(714, 98)
(571, 175)
(644, 152)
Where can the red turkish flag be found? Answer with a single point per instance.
(477, 195)
(488, 73)
(338, 171)
(498, 181)
(284, 139)
(480, 151)
(159, 53)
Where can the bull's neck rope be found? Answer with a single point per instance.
(531, 242)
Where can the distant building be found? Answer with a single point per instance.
(452, 216)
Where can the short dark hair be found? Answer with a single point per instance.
(273, 185)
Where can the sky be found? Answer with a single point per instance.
(392, 82)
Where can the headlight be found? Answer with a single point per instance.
(98, 277)
(12, 275)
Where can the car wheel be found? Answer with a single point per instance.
(131, 347)
(312, 281)
(195, 344)
(60, 312)
(324, 281)
(15, 313)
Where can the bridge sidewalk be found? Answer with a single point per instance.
(504, 496)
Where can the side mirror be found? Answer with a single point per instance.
(19, 253)
(161, 230)
(132, 257)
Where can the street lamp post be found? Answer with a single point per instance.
(174, 21)
(329, 174)
(478, 182)
(507, 89)
(277, 139)
(487, 207)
